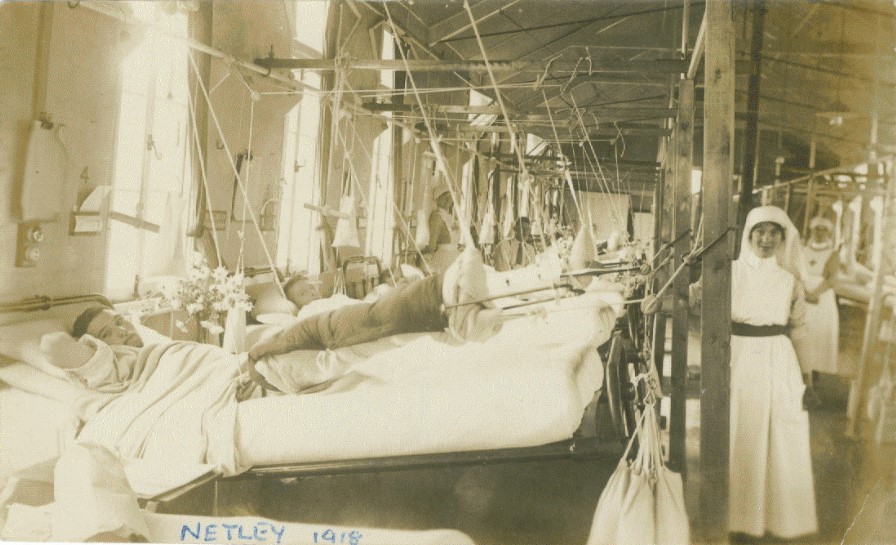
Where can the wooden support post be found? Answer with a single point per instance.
(885, 264)
(200, 23)
(664, 230)
(681, 221)
(399, 245)
(658, 213)
(807, 208)
(751, 133)
(718, 147)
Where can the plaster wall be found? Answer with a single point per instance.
(76, 83)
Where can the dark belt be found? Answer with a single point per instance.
(746, 330)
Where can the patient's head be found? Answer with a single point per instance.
(522, 229)
(300, 290)
(108, 326)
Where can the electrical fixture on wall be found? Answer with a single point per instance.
(28, 244)
(38, 195)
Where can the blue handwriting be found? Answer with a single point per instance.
(260, 532)
(331, 536)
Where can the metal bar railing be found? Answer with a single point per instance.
(43, 302)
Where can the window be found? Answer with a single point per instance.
(152, 181)
(381, 200)
(298, 243)
(298, 247)
(480, 120)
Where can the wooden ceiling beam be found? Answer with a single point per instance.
(613, 132)
(653, 66)
(533, 114)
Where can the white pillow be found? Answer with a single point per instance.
(269, 301)
(149, 335)
(24, 377)
(21, 342)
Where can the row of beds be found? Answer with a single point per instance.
(427, 403)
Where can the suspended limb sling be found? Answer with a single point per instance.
(527, 176)
(395, 209)
(433, 139)
(595, 166)
(236, 173)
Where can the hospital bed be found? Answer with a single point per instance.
(532, 410)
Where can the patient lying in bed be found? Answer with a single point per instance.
(103, 358)
(181, 399)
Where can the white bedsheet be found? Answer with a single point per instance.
(411, 394)
(33, 428)
(526, 386)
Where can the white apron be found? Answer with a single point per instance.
(771, 486)
(819, 338)
(445, 254)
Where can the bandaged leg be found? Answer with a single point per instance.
(463, 287)
(410, 308)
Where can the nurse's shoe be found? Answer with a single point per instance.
(463, 287)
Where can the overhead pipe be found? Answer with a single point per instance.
(102, 9)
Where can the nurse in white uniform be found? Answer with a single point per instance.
(771, 485)
(818, 344)
(444, 233)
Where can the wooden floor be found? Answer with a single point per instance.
(545, 503)
(853, 475)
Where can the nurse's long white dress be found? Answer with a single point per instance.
(819, 340)
(446, 252)
(771, 485)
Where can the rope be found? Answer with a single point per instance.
(566, 175)
(596, 165)
(527, 177)
(208, 201)
(433, 139)
(351, 166)
(240, 262)
(242, 187)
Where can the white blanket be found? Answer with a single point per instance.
(420, 394)
(180, 408)
(410, 394)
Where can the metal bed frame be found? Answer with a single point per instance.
(594, 444)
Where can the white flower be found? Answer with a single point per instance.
(181, 326)
(219, 274)
(194, 308)
(212, 327)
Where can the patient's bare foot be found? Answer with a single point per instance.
(464, 286)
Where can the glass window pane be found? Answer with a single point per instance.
(311, 23)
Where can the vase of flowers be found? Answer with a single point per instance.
(207, 295)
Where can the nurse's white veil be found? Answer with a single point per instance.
(789, 254)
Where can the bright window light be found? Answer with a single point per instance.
(151, 191)
(696, 181)
(311, 23)
(298, 244)
(387, 53)
(480, 120)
